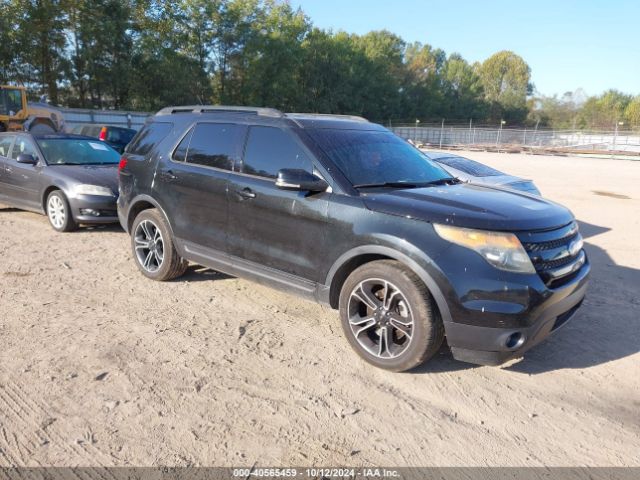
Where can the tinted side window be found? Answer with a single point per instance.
(180, 153)
(270, 149)
(214, 145)
(148, 137)
(120, 135)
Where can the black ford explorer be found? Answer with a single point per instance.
(341, 211)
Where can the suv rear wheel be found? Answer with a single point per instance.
(153, 248)
(389, 316)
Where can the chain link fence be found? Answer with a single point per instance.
(77, 116)
(521, 139)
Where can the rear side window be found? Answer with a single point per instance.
(180, 153)
(214, 145)
(270, 149)
(148, 137)
(120, 135)
(5, 145)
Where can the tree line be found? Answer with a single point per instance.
(147, 54)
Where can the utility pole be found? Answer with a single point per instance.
(615, 136)
(441, 132)
(502, 122)
(416, 132)
(470, 122)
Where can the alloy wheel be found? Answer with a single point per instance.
(149, 246)
(380, 318)
(56, 211)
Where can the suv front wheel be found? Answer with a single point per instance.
(389, 316)
(153, 248)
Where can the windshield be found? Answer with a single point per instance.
(10, 101)
(368, 157)
(74, 151)
(467, 166)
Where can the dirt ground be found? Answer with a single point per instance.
(99, 366)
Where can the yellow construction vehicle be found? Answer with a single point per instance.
(18, 115)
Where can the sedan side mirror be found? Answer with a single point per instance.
(297, 179)
(27, 159)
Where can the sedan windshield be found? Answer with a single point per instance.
(77, 151)
(375, 158)
(467, 166)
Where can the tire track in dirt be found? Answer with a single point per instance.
(29, 434)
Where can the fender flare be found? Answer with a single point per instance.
(403, 258)
(148, 199)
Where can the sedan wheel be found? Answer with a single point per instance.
(59, 212)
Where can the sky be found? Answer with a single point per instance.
(569, 44)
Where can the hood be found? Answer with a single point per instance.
(472, 206)
(102, 175)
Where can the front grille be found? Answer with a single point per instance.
(556, 254)
(538, 247)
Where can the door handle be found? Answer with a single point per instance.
(168, 175)
(246, 193)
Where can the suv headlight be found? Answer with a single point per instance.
(500, 249)
(93, 190)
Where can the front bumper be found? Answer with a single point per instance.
(94, 209)
(488, 332)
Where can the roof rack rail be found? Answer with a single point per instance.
(354, 118)
(265, 112)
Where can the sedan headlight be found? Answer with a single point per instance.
(500, 249)
(93, 190)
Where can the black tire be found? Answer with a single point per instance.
(159, 260)
(409, 306)
(59, 212)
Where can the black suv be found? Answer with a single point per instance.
(342, 211)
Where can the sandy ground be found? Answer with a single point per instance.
(99, 366)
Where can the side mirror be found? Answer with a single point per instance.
(27, 159)
(295, 179)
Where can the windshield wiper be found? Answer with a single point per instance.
(440, 181)
(387, 184)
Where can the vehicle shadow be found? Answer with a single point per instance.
(604, 329)
(9, 209)
(108, 227)
(197, 273)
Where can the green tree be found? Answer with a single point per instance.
(604, 111)
(423, 92)
(379, 73)
(506, 80)
(8, 53)
(632, 112)
(463, 89)
(40, 43)
(268, 73)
